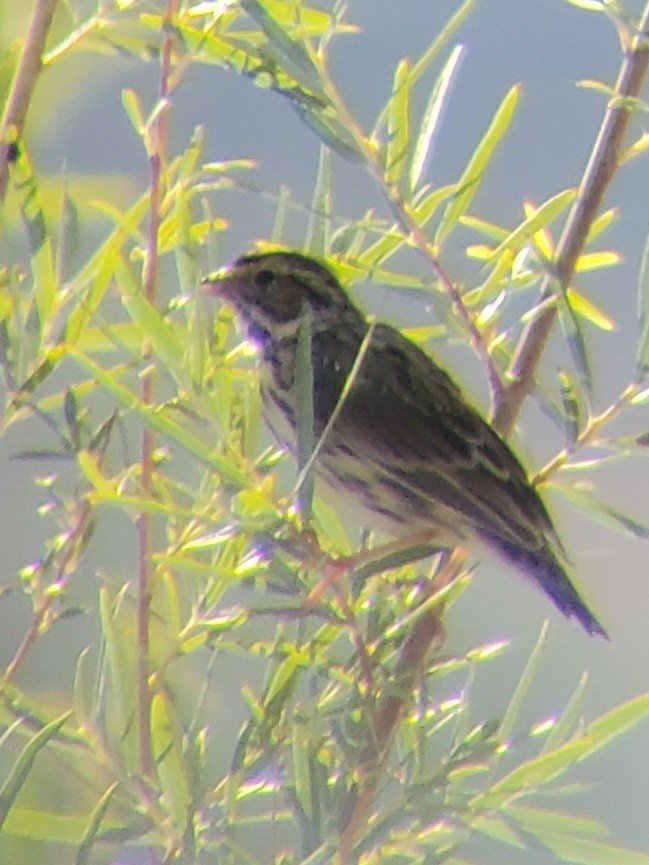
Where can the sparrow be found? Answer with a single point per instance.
(394, 434)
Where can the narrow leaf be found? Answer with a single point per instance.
(432, 51)
(39, 240)
(94, 825)
(154, 326)
(523, 687)
(537, 819)
(296, 59)
(601, 224)
(597, 260)
(227, 465)
(540, 218)
(319, 227)
(133, 109)
(330, 130)
(568, 720)
(68, 237)
(471, 178)
(17, 775)
(423, 147)
(605, 514)
(301, 768)
(616, 722)
(589, 311)
(575, 340)
(166, 742)
(587, 851)
(573, 409)
(396, 150)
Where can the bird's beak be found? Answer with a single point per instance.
(213, 283)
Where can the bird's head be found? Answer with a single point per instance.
(272, 291)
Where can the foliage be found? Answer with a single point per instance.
(355, 746)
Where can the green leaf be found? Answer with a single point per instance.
(121, 689)
(398, 143)
(568, 720)
(587, 851)
(283, 199)
(319, 226)
(493, 286)
(532, 774)
(523, 687)
(133, 109)
(186, 246)
(431, 52)
(540, 218)
(425, 209)
(93, 279)
(292, 55)
(575, 339)
(601, 224)
(606, 514)
(590, 261)
(44, 825)
(381, 249)
(568, 837)
(490, 230)
(330, 130)
(68, 245)
(17, 775)
(540, 819)
(615, 722)
(573, 408)
(432, 113)
(167, 746)
(283, 680)
(638, 148)
(153, 325)
(499, 829)
(587, 310)
(39, 240)
(302, 767)
(94, 826)
(589, 5)
(228, 466)
(471, 178)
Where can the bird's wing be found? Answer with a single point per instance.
(407, 416)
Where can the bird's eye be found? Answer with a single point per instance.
(263, 278)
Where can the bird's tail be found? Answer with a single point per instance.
(544, 568)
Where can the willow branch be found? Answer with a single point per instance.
(599, 172)
(158, 142)
(23, 84)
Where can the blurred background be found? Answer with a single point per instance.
(547, 46)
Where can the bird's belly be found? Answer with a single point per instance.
(375, 499)
(361, 489)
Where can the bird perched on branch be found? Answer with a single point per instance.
(392, 431)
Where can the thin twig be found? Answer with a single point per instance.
(46, 601)
(598, 174)
(23, 84)
(592, 428)
(427, 634)
(158, 140)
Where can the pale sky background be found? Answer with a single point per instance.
(546, 45)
